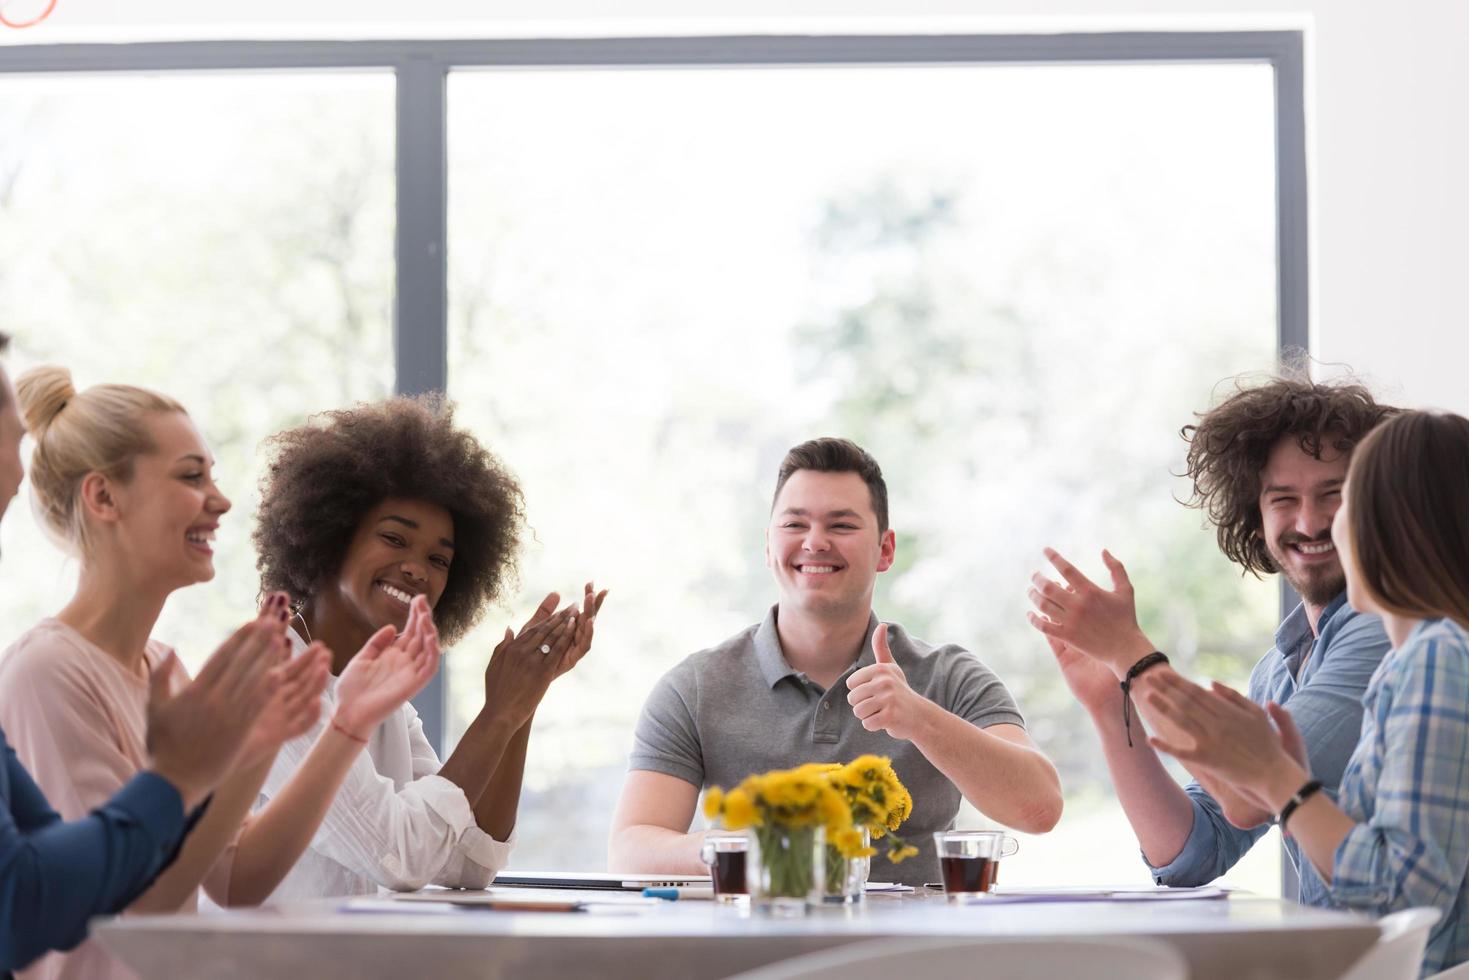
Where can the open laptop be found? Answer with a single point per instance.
(608, 880)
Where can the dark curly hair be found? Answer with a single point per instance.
(325, 476)
(1230, 444)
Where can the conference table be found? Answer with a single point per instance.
(617, 935)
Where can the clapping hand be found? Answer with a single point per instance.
(524, 664)
(1091, 681)
(296, 703)
(1100, 623)
(582, 641)
(197, 736)
(1225, 734)
(389, 669)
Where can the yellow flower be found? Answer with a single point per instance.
(740, 811)
(849, 844)
(902, 853)
(864, 767)
(713, 802)
(843, 799)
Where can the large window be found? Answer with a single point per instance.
(226, 239)
(1011, 267)
(1012, 284)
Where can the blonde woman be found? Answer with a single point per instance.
(124, 480)
(1397, 836)
(55, 876)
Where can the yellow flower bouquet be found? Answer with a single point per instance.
(879, 803)
(790, 813)
(810, 822)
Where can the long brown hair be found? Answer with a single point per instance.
(1408, 513)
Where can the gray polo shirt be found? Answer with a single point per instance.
(738, 708)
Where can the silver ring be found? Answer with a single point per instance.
(545, 648)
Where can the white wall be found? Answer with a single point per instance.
(1387, 84)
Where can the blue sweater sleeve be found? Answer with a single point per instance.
(54, 875)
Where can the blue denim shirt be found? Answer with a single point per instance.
(54, 876)
(1325, 701)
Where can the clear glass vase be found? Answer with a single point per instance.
(786, 868)
(846, 878)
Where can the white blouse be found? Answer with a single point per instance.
(395, 822)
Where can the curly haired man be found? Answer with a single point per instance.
(1267, 466)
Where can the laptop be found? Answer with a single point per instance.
(605, 880)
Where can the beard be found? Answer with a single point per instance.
(1317, 585)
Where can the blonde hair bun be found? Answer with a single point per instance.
(98, 430)
(43, 392)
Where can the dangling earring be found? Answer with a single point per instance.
(304, 628)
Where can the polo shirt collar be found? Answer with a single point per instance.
(773, 665)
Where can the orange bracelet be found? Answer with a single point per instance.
(359, 741)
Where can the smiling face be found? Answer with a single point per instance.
(402, 548)
(823, 545)
(164, 515)
(1299, 497)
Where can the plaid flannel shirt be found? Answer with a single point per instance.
(1407, 786)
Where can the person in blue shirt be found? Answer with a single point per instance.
(1267, 465)
(1397, 836)
(54, 875)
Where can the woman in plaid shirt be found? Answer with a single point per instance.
(1398, 836)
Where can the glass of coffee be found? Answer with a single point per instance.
(969, 860)
(725, 851)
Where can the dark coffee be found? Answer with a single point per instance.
(968, 874)
(729, 873)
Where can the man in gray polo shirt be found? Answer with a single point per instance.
(821, 680)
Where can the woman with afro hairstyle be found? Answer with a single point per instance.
(363, 511)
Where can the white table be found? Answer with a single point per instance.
(1230, 939)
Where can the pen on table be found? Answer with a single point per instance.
(684, 892)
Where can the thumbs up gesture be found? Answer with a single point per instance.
(880, 696)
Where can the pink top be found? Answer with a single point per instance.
(78, 720)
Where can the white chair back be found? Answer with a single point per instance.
(1398, 954)
(999, 959)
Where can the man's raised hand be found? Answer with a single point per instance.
(1097, 622)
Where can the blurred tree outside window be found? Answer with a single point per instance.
(224, 238)
(1012, 284)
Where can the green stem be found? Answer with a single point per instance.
(788, 855)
